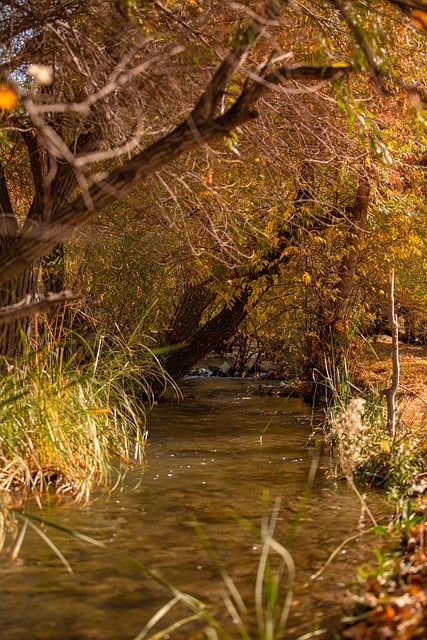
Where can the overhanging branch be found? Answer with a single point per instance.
(25, 307)
(42, 237)
(204, 110)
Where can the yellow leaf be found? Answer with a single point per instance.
(385, 446)
(288, 250)
(8, 97)
(269, 227)
(339, 64)
(306, 278)
(319, 240)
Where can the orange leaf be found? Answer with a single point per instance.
(389, 613)
(420, 18)
(8, 96)
(414, 589)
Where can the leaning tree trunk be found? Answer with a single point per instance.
(207, 337)
(188, 314)
(189, 339)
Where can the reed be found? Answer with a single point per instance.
(356, 426)
(68, 428)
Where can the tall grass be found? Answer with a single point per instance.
(273, 588)
(74, 428)
(356, 426)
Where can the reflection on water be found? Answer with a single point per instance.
(205, 459)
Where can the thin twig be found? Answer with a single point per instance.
(25, 307)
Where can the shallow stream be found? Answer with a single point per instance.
(212, 457)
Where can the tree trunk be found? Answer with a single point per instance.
(328, 348)
(49, 196)
(195, 300)
(208, 337)
(13, 336)
(390, 392)
(194, 340)
(16, 336)
(358, 216)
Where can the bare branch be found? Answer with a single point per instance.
(210, 99)
(122, 180)
(25, 307)
(118, 78)
(390, 392)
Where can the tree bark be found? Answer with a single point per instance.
(357, 217)
(16, 335)
(188, 315)
(208, 337)
(8, 223)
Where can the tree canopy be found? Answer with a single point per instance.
(230, 143)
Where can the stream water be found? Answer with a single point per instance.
(205, 460)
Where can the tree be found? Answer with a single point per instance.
(75, 127)
(56, 165)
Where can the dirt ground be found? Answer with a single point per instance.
(376, 371)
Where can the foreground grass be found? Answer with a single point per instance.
(72, 428)
(264, 616)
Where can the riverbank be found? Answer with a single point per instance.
(391, 599)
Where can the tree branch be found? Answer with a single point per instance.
(35, 158)
(410, 5)
(205, 108)
(25, 307)
(41, 237)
